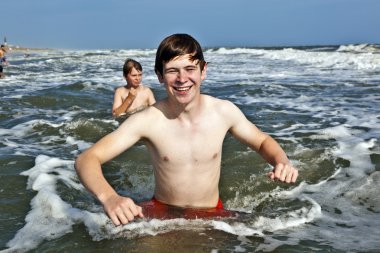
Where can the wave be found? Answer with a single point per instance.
(344, 57)
(365, 47)
(360, 48)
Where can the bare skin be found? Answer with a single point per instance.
(3, 51)
(176, 131)
(133, 96)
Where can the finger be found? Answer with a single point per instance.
(114, 219)
(289, 176)
(130, 209)
(278, 170)
(284, 173)
(122, 216)
(294, 176)
(130, 216)
(140, 213)
(289, 170)
(134, 209)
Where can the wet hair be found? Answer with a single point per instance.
(178, 45)
(129, 65)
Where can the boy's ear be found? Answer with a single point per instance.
(204, 71)
(159, 76)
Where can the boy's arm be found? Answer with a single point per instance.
(283, 170)
(88, 166)
(119, 110)
(266, 146)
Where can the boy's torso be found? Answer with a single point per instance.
(186, 156)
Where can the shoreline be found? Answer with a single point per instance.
(22, 49)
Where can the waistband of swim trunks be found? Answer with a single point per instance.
(219, 205)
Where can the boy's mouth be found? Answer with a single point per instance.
(182, 89)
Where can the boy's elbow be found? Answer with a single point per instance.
(80, 161)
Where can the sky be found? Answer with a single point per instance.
(129, 24)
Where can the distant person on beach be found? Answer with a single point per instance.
(132, 97)
(26, 55)
(3, 60)
(184, 134)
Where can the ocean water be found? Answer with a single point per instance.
(322, 104)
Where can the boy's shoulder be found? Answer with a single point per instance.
(144, 87)
(121, 90)
(219, 102)
(221, 106)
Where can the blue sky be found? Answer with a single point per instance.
(125, 24)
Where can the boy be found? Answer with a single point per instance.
(176, 131)
(132, 97)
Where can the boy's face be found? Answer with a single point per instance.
(182, 78)
(134, 77)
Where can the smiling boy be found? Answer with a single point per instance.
(176, 131)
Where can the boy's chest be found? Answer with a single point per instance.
(197, 143)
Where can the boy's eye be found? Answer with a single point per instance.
(171, 71)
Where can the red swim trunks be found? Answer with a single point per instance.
(158, 210)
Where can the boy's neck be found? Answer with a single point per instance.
(185, 111)
(129, 86)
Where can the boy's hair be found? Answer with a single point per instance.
(129, 65)
(177, 45)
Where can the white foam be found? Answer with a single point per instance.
(350, 195)
(360, 48)
(240, 229)
(50, 217)
(290, 219)
(346, 57)
(82, 145)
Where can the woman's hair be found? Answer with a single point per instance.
(177, 45)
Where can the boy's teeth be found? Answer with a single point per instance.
(182, 88)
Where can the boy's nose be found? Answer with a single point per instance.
(182, 76)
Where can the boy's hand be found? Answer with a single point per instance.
(132, 92)
(122, 210)
(284, 173)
